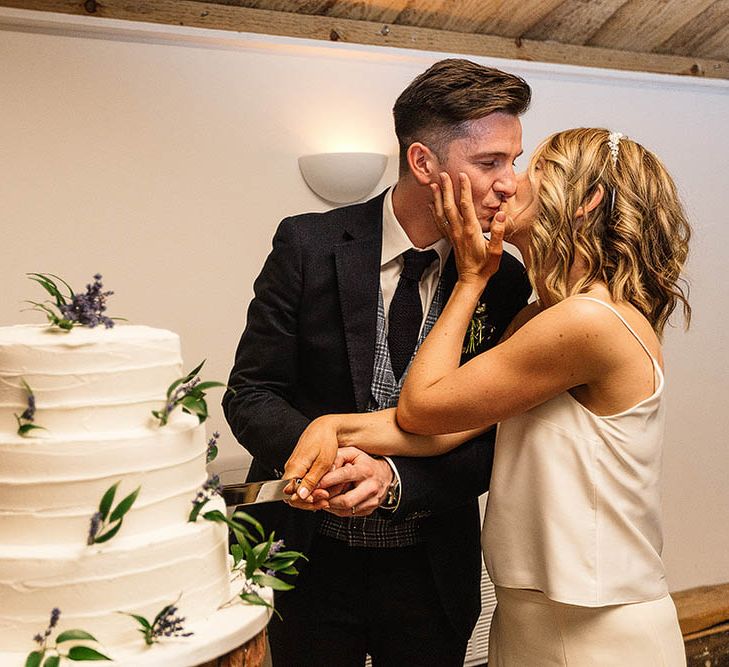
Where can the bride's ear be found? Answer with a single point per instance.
(423, 163)
(594, 201)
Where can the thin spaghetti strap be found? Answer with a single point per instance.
(624, 321)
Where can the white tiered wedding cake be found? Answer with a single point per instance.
(94, 390)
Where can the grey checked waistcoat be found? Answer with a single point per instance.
(378, 529)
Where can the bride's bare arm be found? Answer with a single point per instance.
(372, 432)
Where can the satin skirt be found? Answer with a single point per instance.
(530, 630)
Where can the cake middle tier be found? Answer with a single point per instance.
(50, 488)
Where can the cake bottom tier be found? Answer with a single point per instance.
(91, 585)
(221, 633)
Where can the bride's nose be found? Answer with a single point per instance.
(523, 186)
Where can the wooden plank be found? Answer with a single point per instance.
(702, 607)
(718, 43)
(225, 17)
(642, 25)
(430, 14)
(706, 35)
(513, 19)
(575, 21)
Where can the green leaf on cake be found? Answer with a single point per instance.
(165, 624)
(27, 418)
(237, 552)
(34, 659)
(24, 429)
(69, 635)
(50, 286)
(203, 386)
(194, 371)
(195, 406)
(65, 312)
(271, 582)
(107, 501)
(188, 392)
(81, 653)
(77, 653)
(142, 621)
(108, 534)
(243, 516)
(102, 530)
(125, 505)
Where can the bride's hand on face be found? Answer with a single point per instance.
(477, 258)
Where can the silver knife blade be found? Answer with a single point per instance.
(253, 493)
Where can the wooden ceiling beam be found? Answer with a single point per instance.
(575, 21)
(513, 19)
(642, 25)
(242, 19)
(706, 35)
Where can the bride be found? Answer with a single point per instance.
(572, 535)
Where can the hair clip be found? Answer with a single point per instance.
(614, 143)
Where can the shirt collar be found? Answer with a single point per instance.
(395, 241)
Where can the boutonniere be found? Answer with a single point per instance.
(479, 330)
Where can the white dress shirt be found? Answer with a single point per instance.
(394, 243)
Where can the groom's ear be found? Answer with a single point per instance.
(423, 163)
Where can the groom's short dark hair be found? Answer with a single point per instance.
(436, 107)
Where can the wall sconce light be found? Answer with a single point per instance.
(342, 178)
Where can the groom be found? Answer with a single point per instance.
(340, 306)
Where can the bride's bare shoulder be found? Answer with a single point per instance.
(570, 320)
(521, 318)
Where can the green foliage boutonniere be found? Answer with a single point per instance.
(479, 330)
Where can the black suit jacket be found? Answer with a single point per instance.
(308, 349)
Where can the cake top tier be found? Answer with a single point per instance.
(23, 343)
(86, 380)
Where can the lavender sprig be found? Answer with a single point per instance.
(26, 419)
(209, 490)
(88, 309)
(67, 311)
(76, 653)
(165, 624)
(101, 529)
(188, 392)
(212, 447)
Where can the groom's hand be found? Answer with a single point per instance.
(358, 482)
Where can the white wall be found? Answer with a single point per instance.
(164, 158)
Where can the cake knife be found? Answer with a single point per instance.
(253, 493)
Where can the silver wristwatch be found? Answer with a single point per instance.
(392, 496)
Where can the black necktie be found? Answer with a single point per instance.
(406, 309)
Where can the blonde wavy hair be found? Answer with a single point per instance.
(635, 240)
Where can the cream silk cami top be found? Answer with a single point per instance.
(574, 506)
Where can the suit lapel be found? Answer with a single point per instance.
(357, 262)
